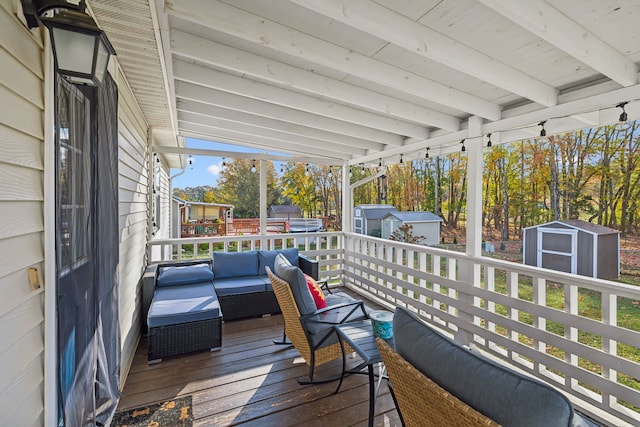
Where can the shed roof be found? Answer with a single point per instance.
(415, 216)
(190, 203)
(582, 225)
(376, 211)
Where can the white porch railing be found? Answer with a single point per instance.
(324, 247)
(573, 332)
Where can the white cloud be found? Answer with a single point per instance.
(215, 169)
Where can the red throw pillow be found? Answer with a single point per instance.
(316, 292)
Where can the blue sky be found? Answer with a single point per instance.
(205, 169)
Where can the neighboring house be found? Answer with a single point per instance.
(573, 246)
(184, 212)
(367, 219)
(285, 211)
(424, 224)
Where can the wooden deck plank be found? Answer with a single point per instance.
(252, 382)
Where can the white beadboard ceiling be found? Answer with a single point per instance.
(355, 81)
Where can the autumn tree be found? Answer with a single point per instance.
(239, 186)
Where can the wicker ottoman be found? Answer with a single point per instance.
(183, 319)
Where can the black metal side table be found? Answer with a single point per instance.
(359, 335)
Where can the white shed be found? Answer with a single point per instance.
(367, 219)
(425, 224)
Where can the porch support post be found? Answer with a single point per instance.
(474, 186)
(347, 209)
(469, 272)
(347, 200)
(263, 197)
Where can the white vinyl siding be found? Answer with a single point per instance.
(22, 225)
(133, 193)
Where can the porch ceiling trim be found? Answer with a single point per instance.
(357, 81)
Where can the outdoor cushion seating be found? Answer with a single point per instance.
(436, 381)
(242, 285)
(184, 303)
(311, 330)
(184, 312)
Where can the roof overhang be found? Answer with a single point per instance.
(361, 81)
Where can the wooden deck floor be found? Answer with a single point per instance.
(252, 382)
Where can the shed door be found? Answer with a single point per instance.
(558, 249)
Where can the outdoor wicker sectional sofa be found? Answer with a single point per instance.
(184, 303)
(242, 284)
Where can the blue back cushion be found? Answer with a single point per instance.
(297, 282)
(505, 396)
(235, 264)
(176, 275)
(267, 258)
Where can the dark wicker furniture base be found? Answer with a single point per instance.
(172, 340)
(248, 305)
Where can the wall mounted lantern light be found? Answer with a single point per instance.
(80, 48)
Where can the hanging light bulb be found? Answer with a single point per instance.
(623, 115)
(543, 131)
(489, 142)
(224, 163)
(362, 167)
(350, 171)
(463, 147)
(426, 154)
(330, 174)
(401, 159)
(380, 163)
(306, 170)
(253, 166)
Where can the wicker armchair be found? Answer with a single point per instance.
(313, 334)
(420, 401)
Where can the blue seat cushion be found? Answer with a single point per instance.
(267, 258)
(240, 285)
(184, 274)
(235, 264)
(505, 396)
(172, 305)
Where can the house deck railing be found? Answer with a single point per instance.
(576, 333)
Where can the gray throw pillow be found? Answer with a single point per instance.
(296, 280)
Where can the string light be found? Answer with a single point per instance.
(330, 174)
(350, 171)
(463, 147)
(623, 115)
(426, 154)
(489, 141)
(224, 163)
(306, 170)
(253, 166)
(543, 131)
(380, 163)
(401, 159)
